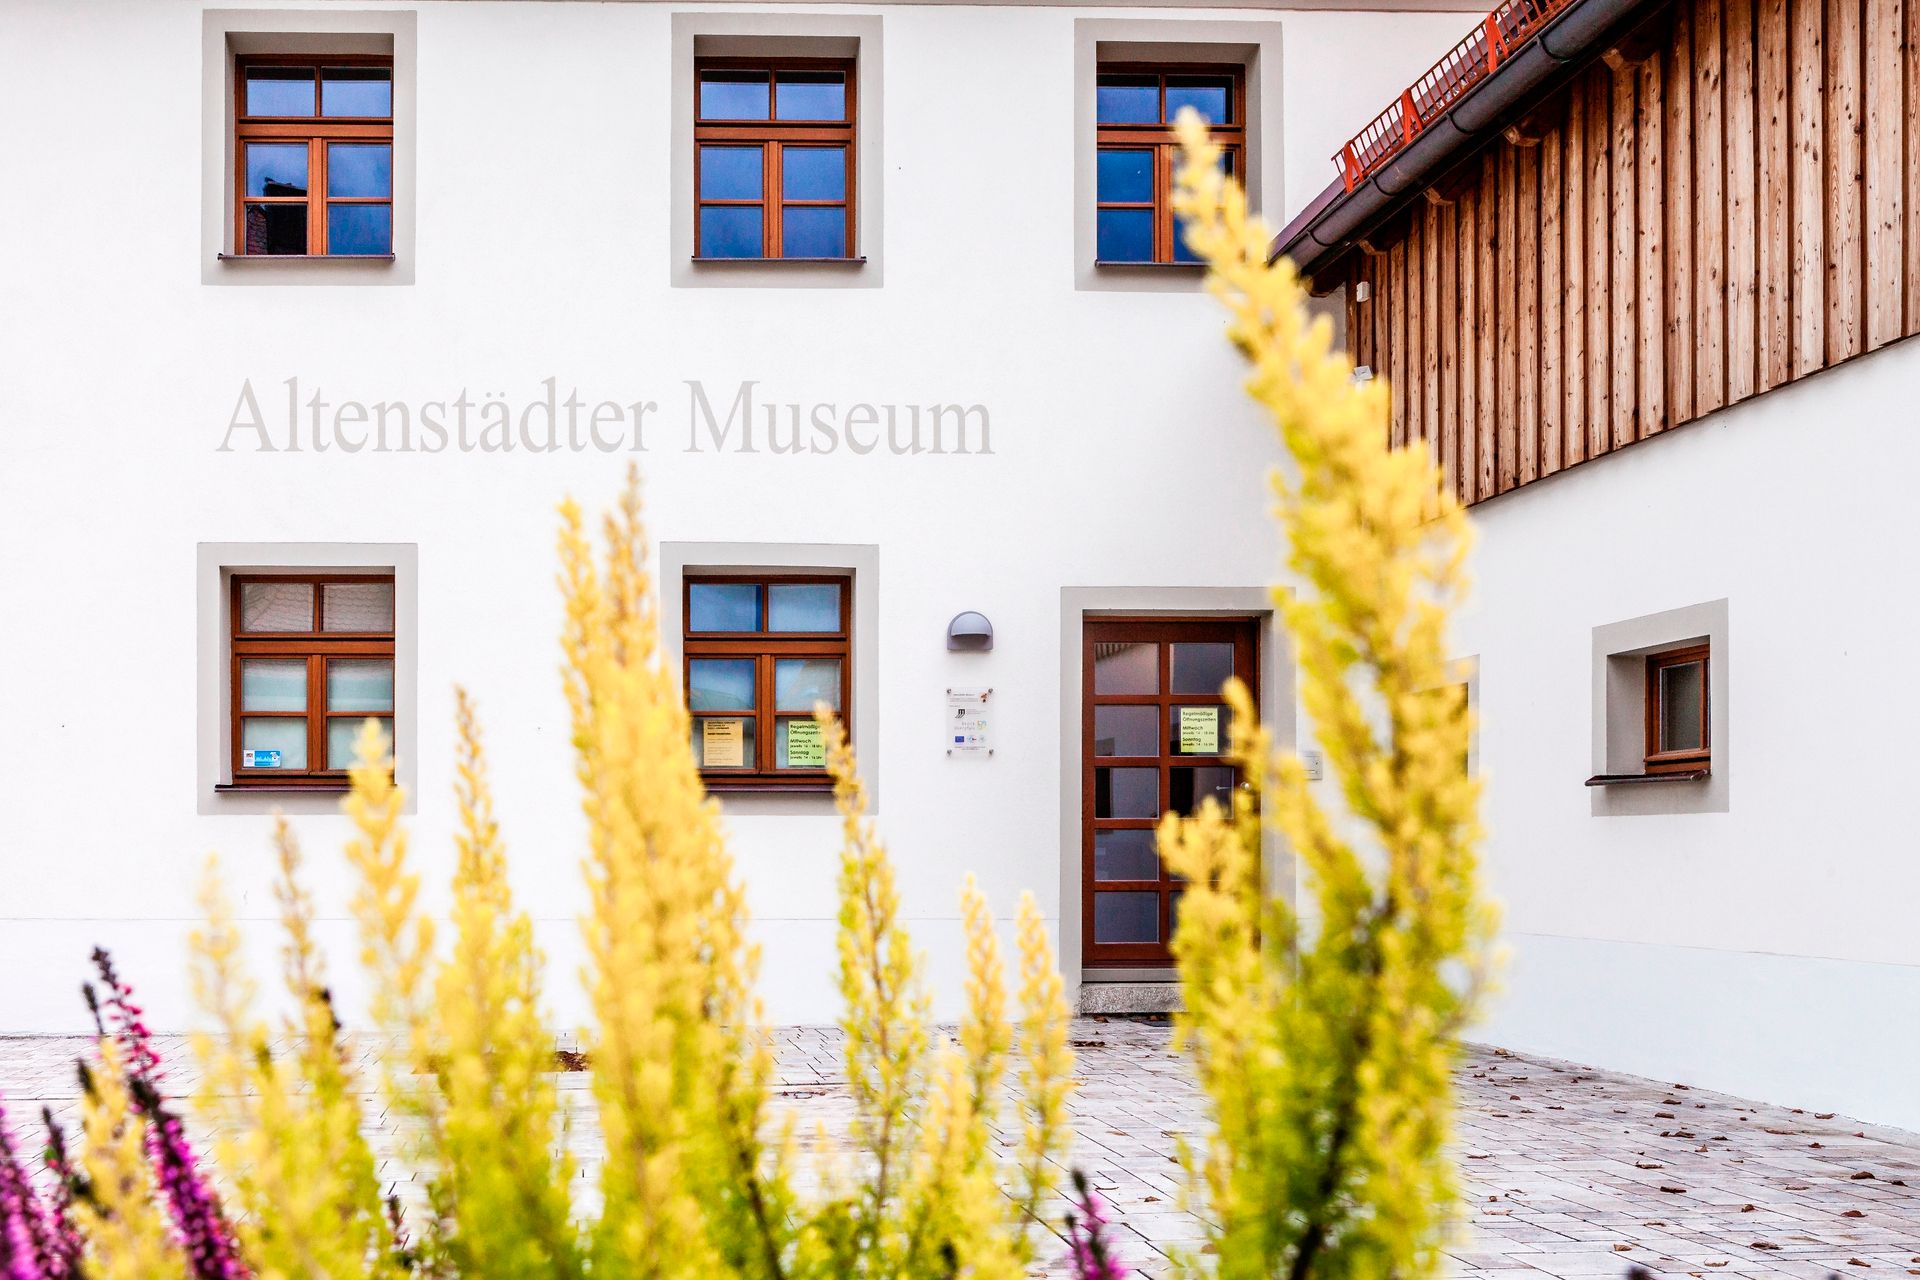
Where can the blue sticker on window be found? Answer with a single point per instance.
(260, 759)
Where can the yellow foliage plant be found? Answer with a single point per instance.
(125, 1229)
(701, 1179)
(1324, 1037)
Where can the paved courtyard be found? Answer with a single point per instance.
(1570, 1172)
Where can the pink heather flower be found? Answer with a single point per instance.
(63, 1237)
(26, 1251)
(1087, 1245)
(203, 1231)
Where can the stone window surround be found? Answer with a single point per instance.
(780, 34)
(860, 562)
(216, 564)
(1254, 46)
(227, 32)
(1620, 651)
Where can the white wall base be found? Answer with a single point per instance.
(1826, 1035)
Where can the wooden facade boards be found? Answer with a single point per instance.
(1731, 206)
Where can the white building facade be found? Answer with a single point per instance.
(312, 313)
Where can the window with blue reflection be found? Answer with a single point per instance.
(734, 95)
(730, 173)
(1126, 177)
(811, 95)
(798, 683)
(360, 169)
(720, 684)
(356, 91)
(813, 231)
(723, 606)
(276, 168)
(803, 606)
(1125, 235)
(358, 229)
(813, 173)
(1125, 99)
(279, 91)
(731, 231)
(1180, 251)
(1211, 96)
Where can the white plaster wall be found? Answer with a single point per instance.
(1124, 453)
(1770, 950)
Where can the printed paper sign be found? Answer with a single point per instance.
(260, 759)
(806, 749)
(723, 743)
(967, 733)
(1199, 731)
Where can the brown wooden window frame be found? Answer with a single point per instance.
(1692, 758)
(772, 136)
(316, 131)
(1232, 138)
(765, 648)
(317, 646)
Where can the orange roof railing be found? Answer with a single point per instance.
(1498, 36)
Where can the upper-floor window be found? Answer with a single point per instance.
(1135, 106)
(312, 659)
(774, 159)
(1678, 717)
(313, 156)
(760, 653)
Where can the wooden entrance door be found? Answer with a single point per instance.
(1153, 738)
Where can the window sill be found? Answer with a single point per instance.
(305, 257)
(762, 262)
(326, 787)
(1634, 779)
(1105, 265)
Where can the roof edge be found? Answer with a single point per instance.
(1337, 218)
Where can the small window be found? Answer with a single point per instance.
(1135, 107)
(312, 660)
(313, 157)
(774, 159)
(1678, 717)
(760, 652)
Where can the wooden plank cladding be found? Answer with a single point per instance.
(1726, 202)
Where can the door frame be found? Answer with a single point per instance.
(1277, 703)
(1162, 632)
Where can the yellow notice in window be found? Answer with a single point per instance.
(806, 749)
(723, 743)
(1199, 731)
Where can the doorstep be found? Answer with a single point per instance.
(1100, 994)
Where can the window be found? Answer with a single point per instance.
(774, 159)
(1678, 719)
(1135, 105)
(312, 660)
(313, 156)
(759, 653)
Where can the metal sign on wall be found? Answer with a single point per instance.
(968, 733)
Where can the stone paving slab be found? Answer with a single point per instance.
(1569, 1172)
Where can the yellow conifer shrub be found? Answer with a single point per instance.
(1324, 1039)
(701, 1179)
(127, 1234)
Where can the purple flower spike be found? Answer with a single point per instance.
(63, 1237)
(204, 1234)
(1087, 1245)
(26, 1248)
